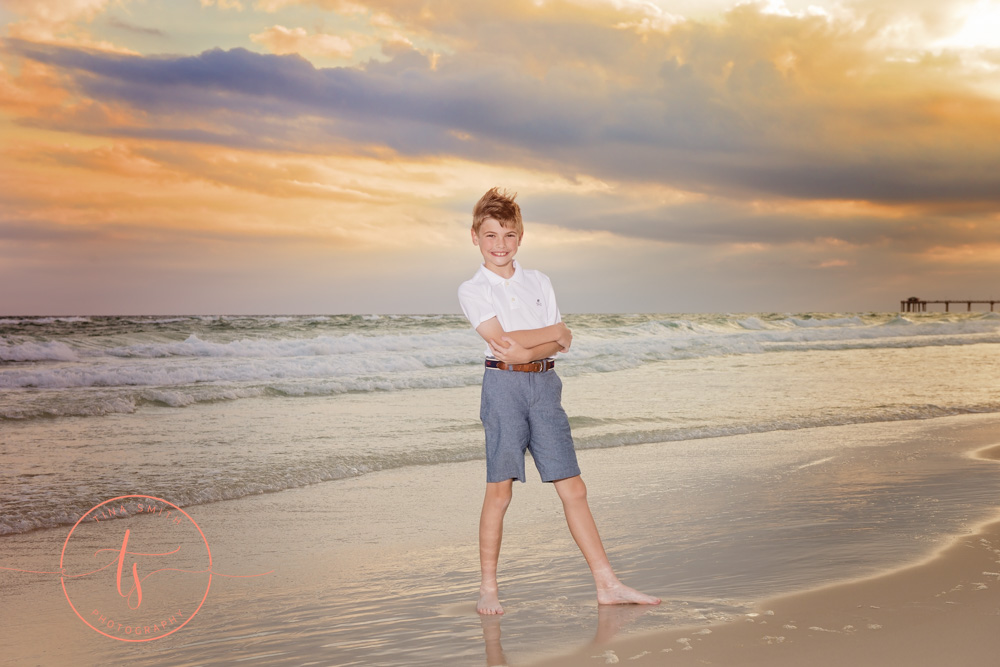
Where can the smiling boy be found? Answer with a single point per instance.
(514, 310)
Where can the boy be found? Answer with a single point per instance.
(515, 311)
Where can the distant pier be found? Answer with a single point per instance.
(915, 305)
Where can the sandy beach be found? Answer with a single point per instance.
(391, 580)
(944, 611)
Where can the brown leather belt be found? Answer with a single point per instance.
(533, 367)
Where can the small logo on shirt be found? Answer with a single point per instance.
(538, 302)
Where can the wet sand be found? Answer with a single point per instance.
(944, 611)
(382, 569)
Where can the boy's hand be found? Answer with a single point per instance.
(566, 339)
(510, 351)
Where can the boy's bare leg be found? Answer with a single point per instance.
(573, 493)
(495, 504)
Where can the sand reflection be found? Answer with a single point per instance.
(610, 621)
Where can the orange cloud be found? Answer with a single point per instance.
(339, 6)
(965, 255)
(34, 90)
(59, 22)
(57, 11)
(281, 40)
(223, 4)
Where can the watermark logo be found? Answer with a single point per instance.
(136, 568)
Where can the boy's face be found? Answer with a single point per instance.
(498, 245)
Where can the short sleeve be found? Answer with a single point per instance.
(551, 309)
(475, 303)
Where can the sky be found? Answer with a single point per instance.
(323, 156)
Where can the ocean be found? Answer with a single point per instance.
(246, 405)
(203, 409)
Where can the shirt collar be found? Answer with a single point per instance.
(496, 280)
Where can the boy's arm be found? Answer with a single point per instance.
(509, 350)
(519, 347)
(491, 330)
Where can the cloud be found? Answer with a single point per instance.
(757, 104)
(223, 4)
(34, 91)
(830, 227)
(761, 139)
(57, 11)
(281, 40)
(119, 24)
(30, 231)
(903, 23)
(59, 21)
(339, 6)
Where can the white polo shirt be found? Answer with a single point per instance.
(526, 300)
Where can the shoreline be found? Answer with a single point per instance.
(935, 611)
(382, 568)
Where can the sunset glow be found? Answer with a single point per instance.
(323, 155)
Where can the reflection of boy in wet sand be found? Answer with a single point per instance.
(609, 621)
(514, 310)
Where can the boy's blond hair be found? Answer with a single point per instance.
(499, 205)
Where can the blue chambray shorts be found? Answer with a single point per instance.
(523, 411)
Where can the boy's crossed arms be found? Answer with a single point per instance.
(522, 346)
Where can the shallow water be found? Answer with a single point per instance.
(204, 409)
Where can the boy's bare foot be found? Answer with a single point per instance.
(619, 593)
(489, 601)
